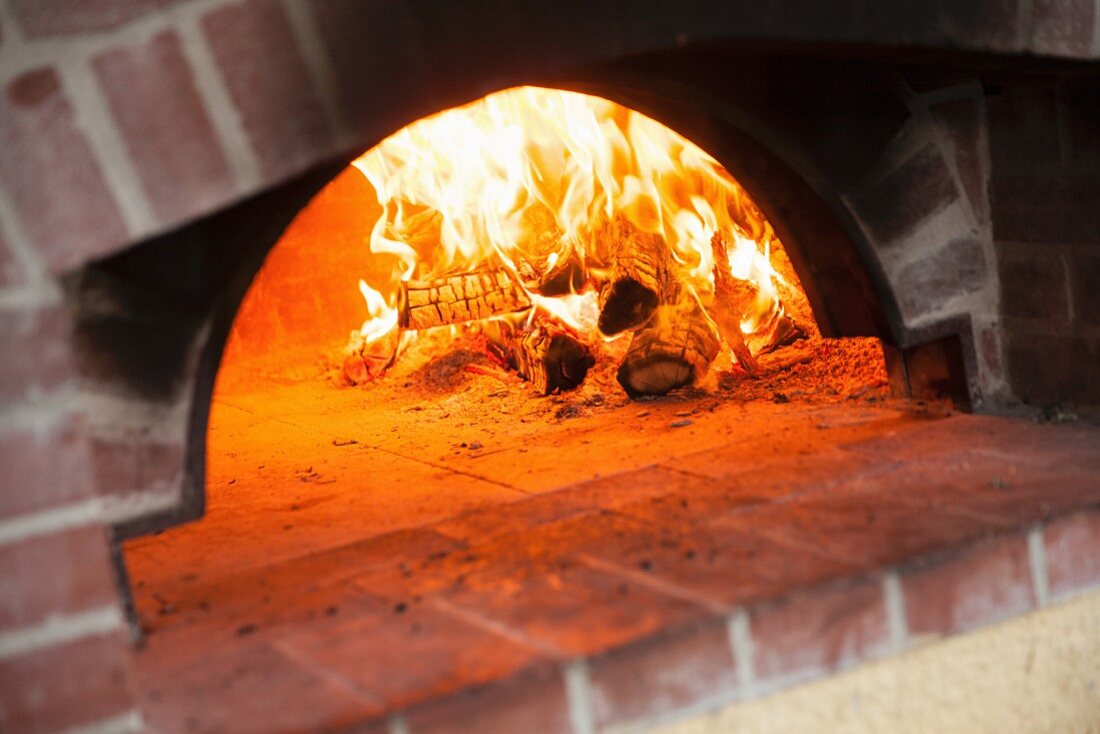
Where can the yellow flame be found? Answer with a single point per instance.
(493, 167)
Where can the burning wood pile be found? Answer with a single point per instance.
(555, 245)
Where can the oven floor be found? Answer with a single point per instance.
(358, 558)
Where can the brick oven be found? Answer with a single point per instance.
(694, 353)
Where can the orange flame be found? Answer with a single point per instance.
(493, 168)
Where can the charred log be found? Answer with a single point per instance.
(547, 355)
(673, 350)
(459, 298)
(545, 263)
(639, 279)
(732, 299)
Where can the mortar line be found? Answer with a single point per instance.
(323, 671)
(894, 601)
(303, 24)
(127, 723)
(396, 724)
(740, 638)
(578, 696)
(1037, 558)
(57, 630)
(498, 628)
(652, 582)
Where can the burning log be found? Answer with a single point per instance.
(545, 263)
(732, 298)
(458, 298)
(673, 350)
(368, 361)
(639, 277)
(545, 353)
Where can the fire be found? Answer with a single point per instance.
(529, 181)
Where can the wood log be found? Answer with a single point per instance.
(672, 350)
(368, 361)
(545, 263)
(546, 354)
(639, 277)
(455, 299)
(732, 298)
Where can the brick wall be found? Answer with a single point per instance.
(123, 119)
(1045, 147)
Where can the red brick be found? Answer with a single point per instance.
(135, 464)
(44, 468)
(1073, 553)
(35, 351)
(61, 17)
(818, 631)
(1046, 367)
(169, 137)
(11, 270)
(1062, 27)
(62, 687)
(270, 85)
(660, 674)
(532, 704)
(54, 574)
(410, 652)
(982, 585)
(249, 688)
(50, 173)
(1033, 284)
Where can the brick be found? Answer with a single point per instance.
(918, 188)
(1033, 284)
(1062, 27)
(1085, 279)
(250, 687)
(71, 685)
(35, 352)
(927, 285)
(62, 17)
(163, 121)
(63, 573)
(981, 23)
(12, 272)
(661, 674)
(980, 586)
(43, 468)
(989, 350)
(1051, 367)
(382, 35)
(270, 85)
(818, 631)
(54, 180)
(135, 464)
(1079, 105)
(1073, 553)
(964, 121)
(533, 703)
(410, 653)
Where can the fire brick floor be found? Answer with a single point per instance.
(358, 560)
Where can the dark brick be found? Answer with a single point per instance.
(161, 116)
(964, 122)
(534, 703)
(379, 35)
(662, 674)
(983, 585)
(818, 631)
(44, 468)
(60, 17)
(71, 685)
(1045, 367)
(989, 24)
(1079, 103)
(35, 353)
(270, 85)
(51, 174)
(63, 573)
(1062, 27)
(1085, 279)
(928, 284)
(915, 190)
(1033, 284)
(1023, 124)
(1073, 553)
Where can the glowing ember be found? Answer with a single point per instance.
(571, 217)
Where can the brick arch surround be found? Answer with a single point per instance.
(198, 127)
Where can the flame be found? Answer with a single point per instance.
(499, 174)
